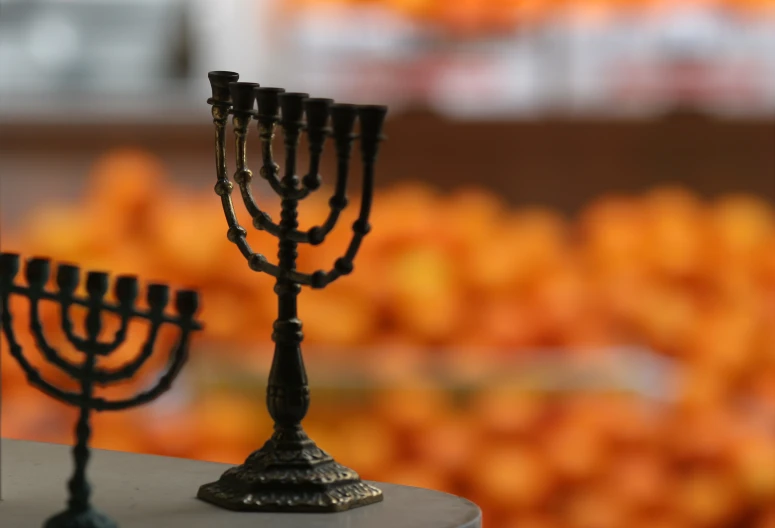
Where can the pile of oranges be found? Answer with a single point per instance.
(447, 289)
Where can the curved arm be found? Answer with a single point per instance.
(269, 169)
(33, 375)
(337, 203)
(243, 176)
(223, 186)
(361, 227)
(50, 353)
(80, 344)
(127, 370)
(104, 349)
(258, 262)
(101, 376)
(67, 325)
(343, 265)
(220, 116)
(177, 360)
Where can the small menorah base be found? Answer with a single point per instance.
(85, 519)
(290, 474)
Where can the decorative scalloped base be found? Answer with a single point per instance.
(289, 474)
(87, 519)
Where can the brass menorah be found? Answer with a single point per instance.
(79, 512)
(290, 473)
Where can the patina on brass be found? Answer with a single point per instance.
(290, 473)
(79, 512)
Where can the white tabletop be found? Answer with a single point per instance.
(158, 492)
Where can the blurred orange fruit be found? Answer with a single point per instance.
(511, 476)
(674, 232)
(767, 519)
(639, 480)
(410, 405)
(574, 451)
(707, 498)
(741, 225)
(612, 230)
(506, 411)
(754, 458)
(338, 315)
(591, 507)
(449, 442)
(367, 446)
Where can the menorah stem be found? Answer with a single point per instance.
(80, 490)
(287, 389)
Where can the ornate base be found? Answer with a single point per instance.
(289, 474)
(87, 519)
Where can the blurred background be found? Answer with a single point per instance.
(565, 310)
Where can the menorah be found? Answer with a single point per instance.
(79, 512)
(290, 473)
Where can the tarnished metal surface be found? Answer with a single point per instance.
(290, 473)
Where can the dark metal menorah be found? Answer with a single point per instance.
(290, 473)
(79, 512)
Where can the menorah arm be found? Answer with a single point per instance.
(344, 264)
(177, 360)
(343, 119)
(32, 374)
(320, 278)
(49, 352)
(220, 117)
(270, 175)
(101, 376)
(336, 204)
(67, 325)
(101, 349)
(261, 219)
(104, 376)
(258, 262)
(119, 337)
(315, 235)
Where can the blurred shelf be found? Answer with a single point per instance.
(145, 62)
(177, 103)
(556, 162)
(633, 370)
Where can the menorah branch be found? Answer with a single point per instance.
(290, 473)
(178, 359)
(126, 371)
(79, 513)
(49, 352)
(317, 235)
(67, 325)
(81, 344)
(270, 170)
(220, 118)
(32, 374)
